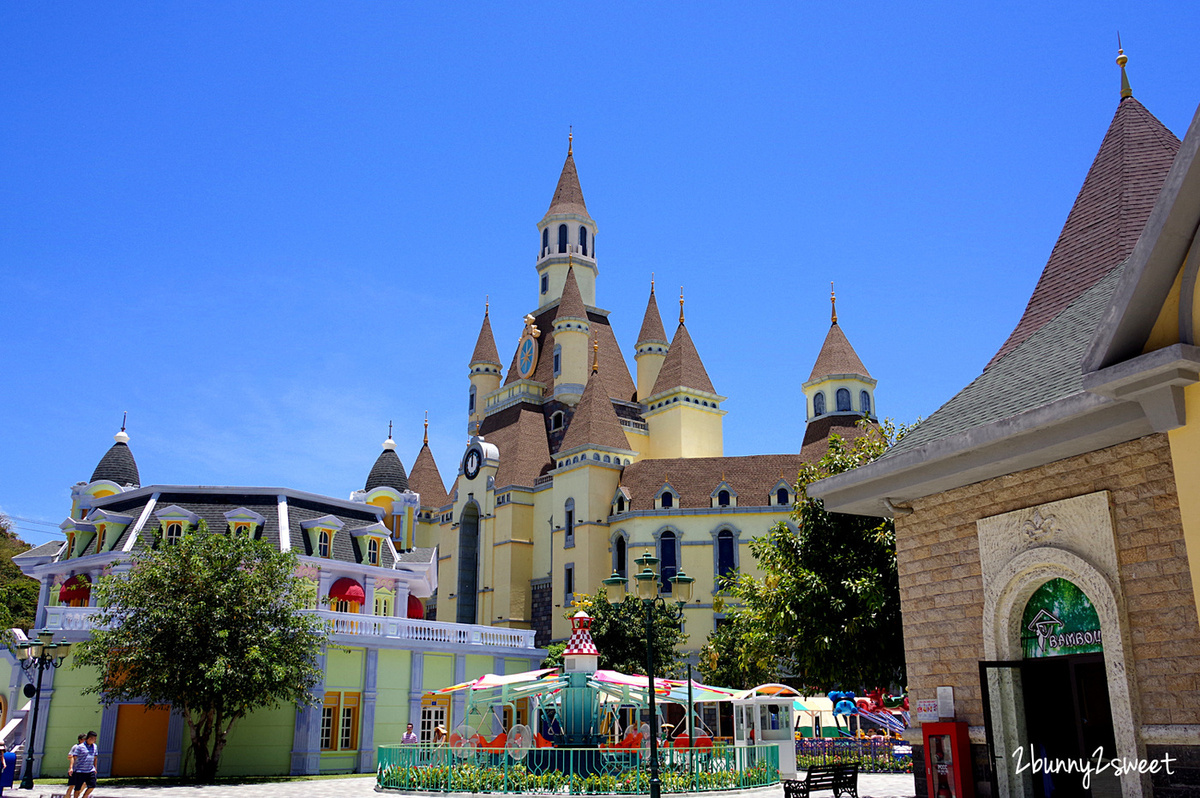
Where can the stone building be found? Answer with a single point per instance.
(1048, 515)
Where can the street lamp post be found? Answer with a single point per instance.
(42, 653)
(647, 589)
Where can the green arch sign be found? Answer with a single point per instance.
(1059, 619)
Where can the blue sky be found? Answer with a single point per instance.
(265, 230)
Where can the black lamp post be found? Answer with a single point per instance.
(42, 653)
(647, 588)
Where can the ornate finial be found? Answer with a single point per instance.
(833, 302)
(652, 282)
(122, 436)
(1126, 91)
(389, 428)
(389, 444)
(487, 303)
(426, 427)
(124, 418)
(531, 329)
(595, 355)
(570, 139)
(681, 304)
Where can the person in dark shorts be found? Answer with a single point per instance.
(82, 769)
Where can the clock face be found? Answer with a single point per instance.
(526, 356)
(471, 464)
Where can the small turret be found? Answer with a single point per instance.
(651, 347)
(117, 465)
(566, 233)
(839, 383)
(485, 372)
(581, 654)
(388, 471)
(572, 334)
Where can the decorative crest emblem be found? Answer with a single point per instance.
(531, 329)
(1038, 527)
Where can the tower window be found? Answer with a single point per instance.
(843, 400)
(562, 238)
(620, 504)
(545, 242)
(569, 583)
(619, 550)
(583, 240)
(668, 500)
(864, 403)
(545, 283)
(556, 420)
(819, 404)
(471, 400)
(781, 496)
(558, 360)
(725, 563)
(669, 554)
(570, 524)
(723, 499)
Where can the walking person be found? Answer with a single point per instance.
(410, 737)
(82, 768)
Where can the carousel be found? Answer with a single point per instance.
(582, 730)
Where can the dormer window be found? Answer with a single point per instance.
(173, 532)
(781, 496)
(373, 551)
(723, 498)
(667, 500)
(620, 504)
(819, 403)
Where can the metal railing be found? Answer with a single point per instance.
(575, 771)
(871, 756)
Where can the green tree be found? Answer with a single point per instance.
(619, 631)
(18, 592)
(211, 625)
(826, 612)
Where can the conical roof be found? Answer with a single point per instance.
(571, 305)
(682, 367)
(117, 465)
(568, 196)
(485, 346)
(388, 472)
(837, 356)
(1108, 215)
(427, 480)
(595, 423)
(652, 326)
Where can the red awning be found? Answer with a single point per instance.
(77, 588)
(346, 589)
(415, 610)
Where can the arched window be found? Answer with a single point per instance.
(723, 498)
(781, 496)
(583, 240)
(373, 552)
(864, 403)
(569, 526)
(669, 554)
(562, 238)
(174, 532)
(556, 420)
(545, 240)
(668, 500)
(843, 400)
(725, 550)
(471, 400)
(557, 359)
(819, 404)
(468, 564)
(545, 283)
(620, 504)
(323, 541)
(620, 547)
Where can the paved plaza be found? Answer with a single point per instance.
(870, 785)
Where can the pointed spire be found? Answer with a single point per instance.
(426, 441)
(682, 367)
(571, 134)
(681, 304)
(117, 465)
(122, 436)
(652, 326)
(568, 196)
(388, 471)
(833, 303)
(485, 345)
(571, 305)
(837, 356)
(1126, 91)
(594, 423)
(425, 478)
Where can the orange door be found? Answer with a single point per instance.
(140, 748)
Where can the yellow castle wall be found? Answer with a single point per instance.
(685, 431)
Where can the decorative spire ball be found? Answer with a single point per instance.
(487, 303)
(426, 427)
(595, 355)
(681, 304)
(122, 437)
(1122, 59)
(570, 139)
(832, 303)
(389, 444)
(652, 282)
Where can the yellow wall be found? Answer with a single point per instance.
(1185, 457)
(1166, 328)
(684, 430)
(438, 672)
(344, 668)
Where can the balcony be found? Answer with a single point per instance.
(353, 629)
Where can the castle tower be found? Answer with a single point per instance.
(566, 236)
(651, 348)
(683, 411)
(116, 472)
(485, 373)
(572, 336)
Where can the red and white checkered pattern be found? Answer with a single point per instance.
(581, 639)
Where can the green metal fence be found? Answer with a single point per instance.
(576, 771)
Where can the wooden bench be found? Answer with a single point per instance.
(840, 779)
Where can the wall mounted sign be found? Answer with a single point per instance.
(1059, 619)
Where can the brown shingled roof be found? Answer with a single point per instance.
(485, 346)
(519, 433)
(682, 367)
(1108, 215)
(426, 480)
(571, 305)
(595, 422)
(837, 356)
(613, 369)
(816, 434)
(752, 478)
(568, 196)
(652, 326)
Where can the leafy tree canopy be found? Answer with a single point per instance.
(826, 612)
(210, 625)
(619, 631)
(18, 592)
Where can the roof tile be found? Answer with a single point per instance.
(837, 356)
(682, 367)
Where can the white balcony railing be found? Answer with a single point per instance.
(80, 619)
